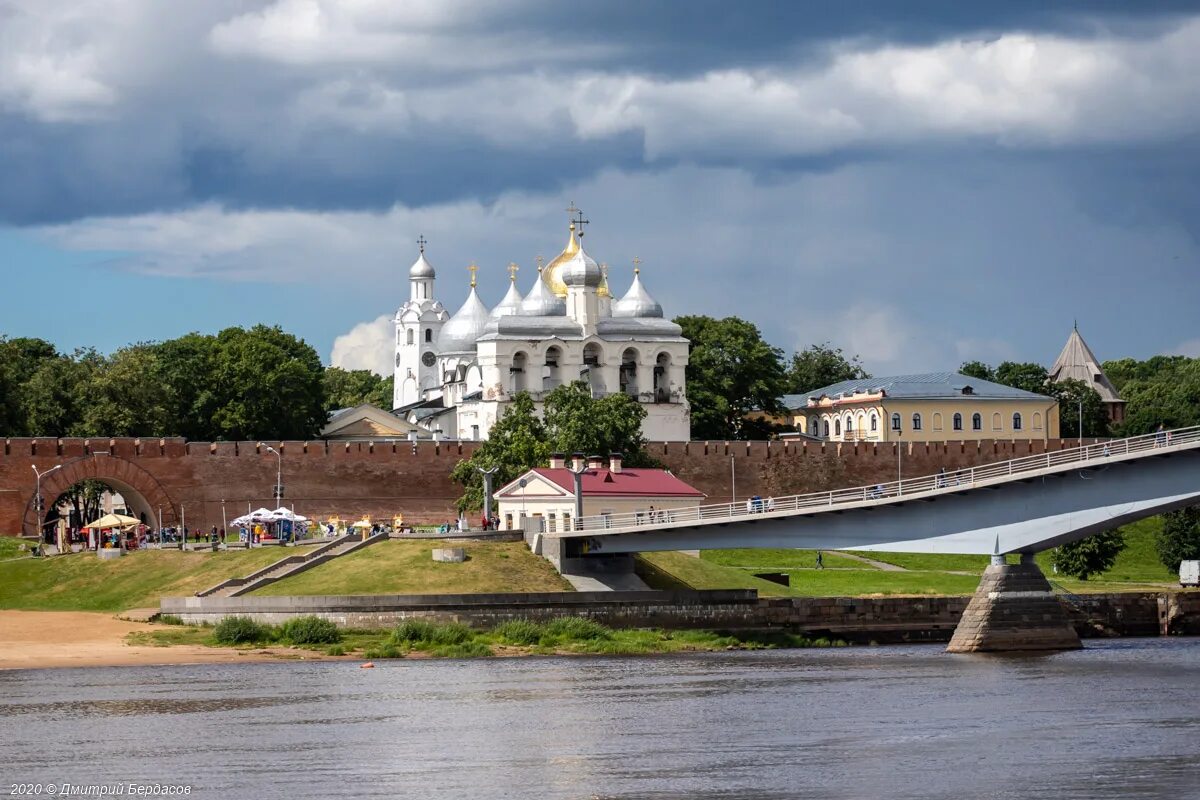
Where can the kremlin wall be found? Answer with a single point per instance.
(189, 480)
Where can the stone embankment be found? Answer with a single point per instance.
(855, 619)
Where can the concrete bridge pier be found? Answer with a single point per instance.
(1014, 609)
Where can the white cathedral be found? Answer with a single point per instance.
(455, 375)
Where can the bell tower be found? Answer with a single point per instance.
(418, 323)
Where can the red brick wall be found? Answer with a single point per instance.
(355, 478)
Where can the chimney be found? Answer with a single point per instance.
(595, 462)
(577, 461)
(558, 461)
(614, 462)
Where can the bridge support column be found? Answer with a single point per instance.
(1014, 608)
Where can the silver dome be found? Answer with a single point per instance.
(637, 302)
(541, 302)
(511, 304)
(421, 268)
(582, 270)
(461, 331)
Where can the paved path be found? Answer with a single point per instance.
(880, 565)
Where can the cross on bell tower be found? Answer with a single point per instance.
(580, 222)
(421, 242)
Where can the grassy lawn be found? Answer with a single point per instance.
(776, 560)
(398, 567)
(10, 547)
(82, 582)
(928, 561)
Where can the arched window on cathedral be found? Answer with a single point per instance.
(516, 373)
(916, 422)
(1016, 420)
(429, 334)
(593, 369)
(825, 427)
(895, 422)
(411, 337)
(662, 378)
(629, 372)
(551, 372)
(837, 427)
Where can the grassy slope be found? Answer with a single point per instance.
(771, 560)
(82, 582)
(408, 568)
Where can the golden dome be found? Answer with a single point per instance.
(552, 274)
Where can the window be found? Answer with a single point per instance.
(958, 422)
(849, 424)
(874, 423)
(411, 337)
(976, 422)
(937, 421)
(895, 422)
(1016, 420)
(837, 427)
(916, 422)
(1037, 421)
(996, 421)
(429, 334)
(825, 428)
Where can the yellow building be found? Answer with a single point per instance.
(935, 407)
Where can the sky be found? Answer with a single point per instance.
(918, 183)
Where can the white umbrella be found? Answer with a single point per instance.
(288, 514)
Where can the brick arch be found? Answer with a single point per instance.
(139, 488)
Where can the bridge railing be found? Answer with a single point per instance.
(966, 477)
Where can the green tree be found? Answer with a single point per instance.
(516, 443)
(350, 388)
(1163, 389)
(977, 369)
(123, 397)
(731, 372)
(1095, 417)
(186, 386)
(1090, 556)
(269, 384)
(1179, 539)
(19, 359)
(577, 422)
(55, 395)
(821, 365)
(1028, 376)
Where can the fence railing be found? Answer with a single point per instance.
(967, 477)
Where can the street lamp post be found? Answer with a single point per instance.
(38, 502)
(577, 474)
(278, 473)
(1081, 420)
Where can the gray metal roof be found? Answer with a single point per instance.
(927, 386)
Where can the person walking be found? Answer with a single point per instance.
(1160, 436)
(820, 563)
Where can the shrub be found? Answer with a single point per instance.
(469, 649)
(310, 630)
(418, 632)
(169, 619)
(577, 629)
(412, 631)
(385, 650)
(335, 650)
(520, 632)
(241, 630)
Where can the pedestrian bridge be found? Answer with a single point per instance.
(1024, 505)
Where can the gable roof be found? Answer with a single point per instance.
(629, 482)
(366, 422)
(924, 386)
(1077, 362)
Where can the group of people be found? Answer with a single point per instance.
(756, 505)
(491, 523)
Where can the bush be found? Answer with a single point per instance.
(577, 629)
(169, 619)
(336, 650)
(385, 650)
(471, 649)
(241, 630)
(310, 630)
(412, 631)
(1091, 556)
(519, 632)
(1179, 539)
(418, 632)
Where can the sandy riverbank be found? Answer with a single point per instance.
(45, 639)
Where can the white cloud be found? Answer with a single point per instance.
(368, 345)
(1190, 348)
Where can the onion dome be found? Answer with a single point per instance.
(552, 274)
(461, 331)
(421, 268)
(581, 270)
(541, 302)
(604, 291)
(637, 302)
(511, 304)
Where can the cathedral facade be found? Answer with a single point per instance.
(455, 375)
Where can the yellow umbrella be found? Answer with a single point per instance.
(362, 523)
(114, 521)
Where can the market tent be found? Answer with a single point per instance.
(362, 523)
(114, 521)
(261, 515)
(288, 514)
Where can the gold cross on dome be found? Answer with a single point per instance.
(473, 269)
(572, 210)
(539, 263)
(512, 271)
(636, 268)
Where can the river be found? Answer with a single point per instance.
(1118, 719)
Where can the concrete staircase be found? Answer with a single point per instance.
(291, 565)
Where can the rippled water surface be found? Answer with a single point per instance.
(1119, 719)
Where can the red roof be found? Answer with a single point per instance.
(627, 482)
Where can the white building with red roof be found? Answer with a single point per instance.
(546, 495)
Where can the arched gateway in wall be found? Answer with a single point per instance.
(141, 490)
